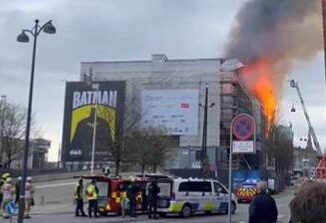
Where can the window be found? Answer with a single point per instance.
(195, 186)
(183, 187)
(165, 189)
(102, 188)
(218, 188)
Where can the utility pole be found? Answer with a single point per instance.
(204, 157)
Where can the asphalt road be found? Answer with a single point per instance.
(54, 204)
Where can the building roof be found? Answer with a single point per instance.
(157, 58)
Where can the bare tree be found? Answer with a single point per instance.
(150, 147)
(123, 125)
(277, 152)
(162, 148)
(14, 118)
(283, 151)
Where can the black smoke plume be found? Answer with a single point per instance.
(280, 31)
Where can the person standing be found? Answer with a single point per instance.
(92, 196)
(153, 191)
(17, 189)
(309, 204)
(132, 192)
(29, 196)
(7, 192)
(263, 208)
(124, 202)
(78, 195)
(2, 182)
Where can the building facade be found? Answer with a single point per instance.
(158, 77)
(37, 155)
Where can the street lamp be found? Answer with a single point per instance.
(23, 37)
(96, 88)
(89, 78)
(204, 158)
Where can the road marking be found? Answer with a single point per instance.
(55, 185)
(281, 216)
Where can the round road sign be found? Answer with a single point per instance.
(243, 127)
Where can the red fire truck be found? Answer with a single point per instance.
(111, 192)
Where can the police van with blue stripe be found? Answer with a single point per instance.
(193, 195)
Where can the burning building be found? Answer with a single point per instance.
(157, 84)
(269, 37)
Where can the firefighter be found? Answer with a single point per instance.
(29, 196)
(153, 191)
(132, 192)
(78, 196)
(92, 196)
(8, 191)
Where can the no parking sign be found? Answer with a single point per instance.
(243, 134)
(11, 208)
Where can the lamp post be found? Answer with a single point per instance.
(96, 88)
(204, 158)
(3, 102)
(23, 37)
(89, 79)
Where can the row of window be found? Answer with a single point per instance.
(201, 186)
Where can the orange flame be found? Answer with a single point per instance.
(257, 78)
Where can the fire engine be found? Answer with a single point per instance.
(247, 191)
(112, 190)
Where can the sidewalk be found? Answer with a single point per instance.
(70, 218)
(53, 209)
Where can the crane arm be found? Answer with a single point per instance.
(311, 129)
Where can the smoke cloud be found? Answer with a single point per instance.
(279, 31)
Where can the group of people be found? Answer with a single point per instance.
(10, 192)
(128, 202)
(308, 205)
(91, 195)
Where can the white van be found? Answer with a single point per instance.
(193, 195)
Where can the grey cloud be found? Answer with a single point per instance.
(104, 30)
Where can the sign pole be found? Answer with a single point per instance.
(243, 129)
(230, 177)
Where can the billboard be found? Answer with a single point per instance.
(82, 102)
(174, 110)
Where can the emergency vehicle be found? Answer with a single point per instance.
(192, 195)
(111, 192)
(247, 191)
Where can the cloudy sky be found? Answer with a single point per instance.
(101, 30)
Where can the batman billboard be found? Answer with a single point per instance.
(82, 103)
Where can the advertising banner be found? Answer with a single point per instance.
(176, 111)
(82, 102)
